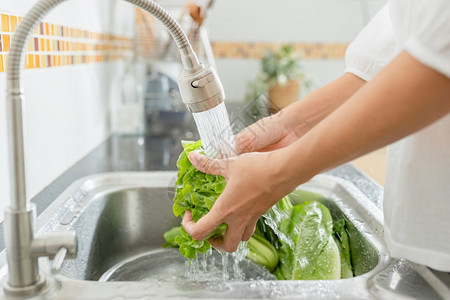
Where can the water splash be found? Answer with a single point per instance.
(224, 267)
(273, 219)
(225, 274)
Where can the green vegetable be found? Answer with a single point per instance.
(300, 243)
(299, 196)
(170, 236)
(197, 192)
(262, 252)
(265, 231)
(341, 238)
(190, 247)
(308, 250)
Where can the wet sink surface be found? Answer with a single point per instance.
(119, 217)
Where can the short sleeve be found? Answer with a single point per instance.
(428, 38)
(373, 48)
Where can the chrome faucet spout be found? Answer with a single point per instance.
(23, 249)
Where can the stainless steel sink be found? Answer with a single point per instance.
(122, 216)
(118, 225)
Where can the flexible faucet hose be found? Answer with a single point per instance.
(38, 12)
(14, 86)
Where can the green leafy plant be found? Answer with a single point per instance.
(302, 241)
(308, 250)
(197, 192)
(262, 252)
(277, 68)
(342, 241)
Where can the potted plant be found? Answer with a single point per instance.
(280, 77)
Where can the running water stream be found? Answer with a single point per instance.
(218, 142)
(215, 131)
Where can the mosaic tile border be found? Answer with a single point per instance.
(53, 45)
(256, 50)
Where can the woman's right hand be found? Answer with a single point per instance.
(270, 133)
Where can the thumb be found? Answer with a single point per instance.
(208, 165)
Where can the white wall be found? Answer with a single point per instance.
(284, 21)
(67, 108)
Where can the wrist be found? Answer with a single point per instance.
(288, 171)
(291, 119)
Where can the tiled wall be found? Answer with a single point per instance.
(256, 50)
(53, 45)
(73, 75)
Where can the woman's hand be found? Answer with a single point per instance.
(254, 183)
(291, 123)
(270, 133)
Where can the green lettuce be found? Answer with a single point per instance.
(262, 252)
(170, 237)
(308, 250)
(296, 241)
(341, 238)
(197, 192)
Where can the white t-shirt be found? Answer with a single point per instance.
(417, 187)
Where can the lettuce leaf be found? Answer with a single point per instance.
(170, 237)
(197, 192)
(308, 250)
(308, 247)
(341, 238)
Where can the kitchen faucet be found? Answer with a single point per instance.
(200, 90)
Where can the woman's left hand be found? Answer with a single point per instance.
(255, 182)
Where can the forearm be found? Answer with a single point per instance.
(288, 125)
(303, 115)
(390, 107)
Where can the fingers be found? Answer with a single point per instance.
(232, 238)
(240, 227)
(245, 140)
(208, 223)
(203, 227)
(230, 241)
(248, 232)
(216, 242)
(208, 165)
(257, 136)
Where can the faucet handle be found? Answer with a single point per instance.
(56, 245)
(58, 260)
(51, 244)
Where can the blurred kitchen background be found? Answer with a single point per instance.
(96, 68)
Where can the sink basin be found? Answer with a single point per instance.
(126, 222)
(120, 218)
(118, 225)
